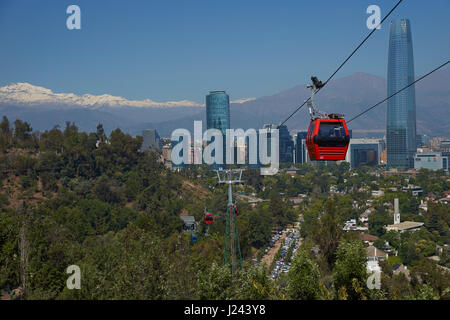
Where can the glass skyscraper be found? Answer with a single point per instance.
(401, 109)
(285, 143)
(218, 116)
(300, 147)
(151, 140)
(218, 111)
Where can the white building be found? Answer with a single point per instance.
(402, 226)
(351, 225)
(377, 193)
(431, 160)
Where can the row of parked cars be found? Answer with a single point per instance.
(282, 265)
(275, 237)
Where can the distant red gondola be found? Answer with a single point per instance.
(209, 218)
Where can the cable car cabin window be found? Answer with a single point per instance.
(331, 134)
(331, 130)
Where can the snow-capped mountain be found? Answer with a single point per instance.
(27, 94)
(241, 101)
(349, 95)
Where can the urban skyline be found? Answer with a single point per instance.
(399, 145)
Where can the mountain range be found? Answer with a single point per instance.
(44, 109)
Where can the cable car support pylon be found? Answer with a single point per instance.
(232, 249)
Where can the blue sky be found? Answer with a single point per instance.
(173, 50)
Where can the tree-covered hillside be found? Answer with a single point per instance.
(87, 199)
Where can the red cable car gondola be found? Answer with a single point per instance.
(327, 137)
(209, 218)
(235, 210)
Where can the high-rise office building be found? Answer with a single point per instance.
(151, 140)
(218, 111)
(364, 152)
(422, 140)
(300, 147)
(285, 144)
(218, 115)
(401, 109)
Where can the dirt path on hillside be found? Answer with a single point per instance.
(199, 190)
(270, 255)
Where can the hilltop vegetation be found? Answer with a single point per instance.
(96, 201)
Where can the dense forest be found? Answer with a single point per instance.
(96, 201)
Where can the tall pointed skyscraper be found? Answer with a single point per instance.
(401, 109)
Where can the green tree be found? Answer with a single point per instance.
(6, 134)
(377, 221)
(350, 269)
(424, 292)
(215, 283)
(303, 278)
(253, 283)
(427, 272)
(277, 208)
(259, 228)
(22, 134)
(107, 190)
(329, 232)
(9, 249)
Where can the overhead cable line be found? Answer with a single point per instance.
(345, 61)
(404, 88)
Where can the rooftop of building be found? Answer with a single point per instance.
(400, 268)
(365, 140)
(428, 154)
(365, 214)
(217, 91)
(405, 225)
(188, 219)
(374, 252)
(367, 237)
